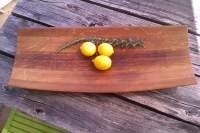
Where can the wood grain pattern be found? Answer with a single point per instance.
(181, 102)
(88, 113)
(93, 113)
(73, 13)
(8, 35)
(163, 62)
(86, 14)
(160, 11)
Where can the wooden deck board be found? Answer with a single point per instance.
(8, 33)
(160, 11)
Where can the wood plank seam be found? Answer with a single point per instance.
(135, 15)
(154, 110)
(6, 54)
(32, 20)
(175, 100)
(121, 98)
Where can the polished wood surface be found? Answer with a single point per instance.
(163, 62)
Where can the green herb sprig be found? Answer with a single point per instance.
(116, 42)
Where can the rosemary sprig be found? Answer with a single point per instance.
(116, 42)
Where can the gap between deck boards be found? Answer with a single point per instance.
(154, 109)
(134, 14)
(127, 12)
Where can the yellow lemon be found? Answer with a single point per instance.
(88, 48)
(102, 62)
(105, 49)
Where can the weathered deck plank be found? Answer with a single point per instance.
(89, 113)
(182, 102)
(73, 13)
(159, 11)
(8, 33)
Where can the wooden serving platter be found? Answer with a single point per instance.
(163, 62)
